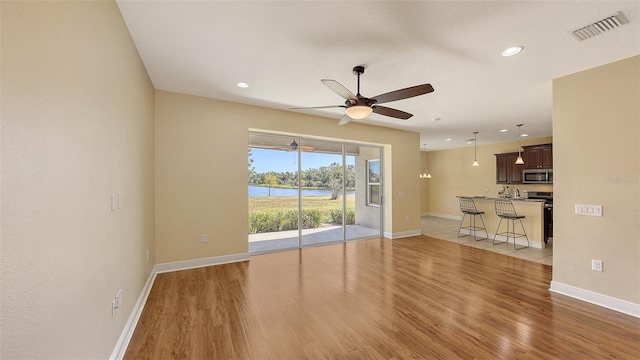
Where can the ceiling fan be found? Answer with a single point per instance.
(294, 146)
(359, 107)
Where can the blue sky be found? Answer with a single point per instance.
(281, 161)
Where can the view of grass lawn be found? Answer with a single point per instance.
(277, 203)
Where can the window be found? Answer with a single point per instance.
(373, 183)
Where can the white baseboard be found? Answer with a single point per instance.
(623, 306)
(196, 263)
(444, 216)
(402, 234)
(130, 326)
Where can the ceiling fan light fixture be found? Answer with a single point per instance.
(358, 111)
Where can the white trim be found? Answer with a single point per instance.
(202, 262)
(444, 216)
(130, 326)
(403, 234)
(623, 306)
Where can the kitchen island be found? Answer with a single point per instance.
(532, 209)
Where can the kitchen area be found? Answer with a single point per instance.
(528, 184)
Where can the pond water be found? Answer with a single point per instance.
(264, 191)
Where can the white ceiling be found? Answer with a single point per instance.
(283, 49)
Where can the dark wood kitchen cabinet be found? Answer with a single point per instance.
(538, 156)
(507, 172)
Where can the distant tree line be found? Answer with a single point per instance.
(312, 178)
(324, 177)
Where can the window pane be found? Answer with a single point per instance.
(374, 194)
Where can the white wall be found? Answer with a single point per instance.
(77, 125)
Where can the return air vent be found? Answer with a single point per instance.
(600, 26)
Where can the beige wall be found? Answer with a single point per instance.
(77, 125)
(201, 171)
(453, 175)
(596, 115)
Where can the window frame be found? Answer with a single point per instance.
(372, 181)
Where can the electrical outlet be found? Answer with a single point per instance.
(204, 238)
(113, 202)
(596, 265)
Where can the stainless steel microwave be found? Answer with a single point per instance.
(537, 176)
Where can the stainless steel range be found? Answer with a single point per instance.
(548, 211)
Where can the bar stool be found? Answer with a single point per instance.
(506, 211)
(468, 207)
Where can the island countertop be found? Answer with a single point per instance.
(532, 209)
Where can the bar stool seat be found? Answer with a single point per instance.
(506, 211)
(468, 207)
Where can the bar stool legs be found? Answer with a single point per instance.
(506, 211)
(468, 207)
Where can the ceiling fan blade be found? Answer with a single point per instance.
(339, 89)
(403, 93)
(318, 107)
(345, 120)
(395, 113)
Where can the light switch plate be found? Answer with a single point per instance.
(589, 210)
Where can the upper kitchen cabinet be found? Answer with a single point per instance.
(507, 172)
(538, 156)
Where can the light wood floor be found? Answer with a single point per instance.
(417, 297)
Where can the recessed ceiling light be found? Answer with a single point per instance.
(524, 135)
(513, 51)
(504, 130)
(243, 85)
(447, 139)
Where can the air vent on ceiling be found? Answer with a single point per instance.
(609, 23)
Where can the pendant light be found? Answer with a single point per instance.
(519, 160)
(425, 173)
(475, 149)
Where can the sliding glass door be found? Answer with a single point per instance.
(307, 192)
(323, 193)
(273, 193)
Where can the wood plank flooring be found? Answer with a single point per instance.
(411, 298)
